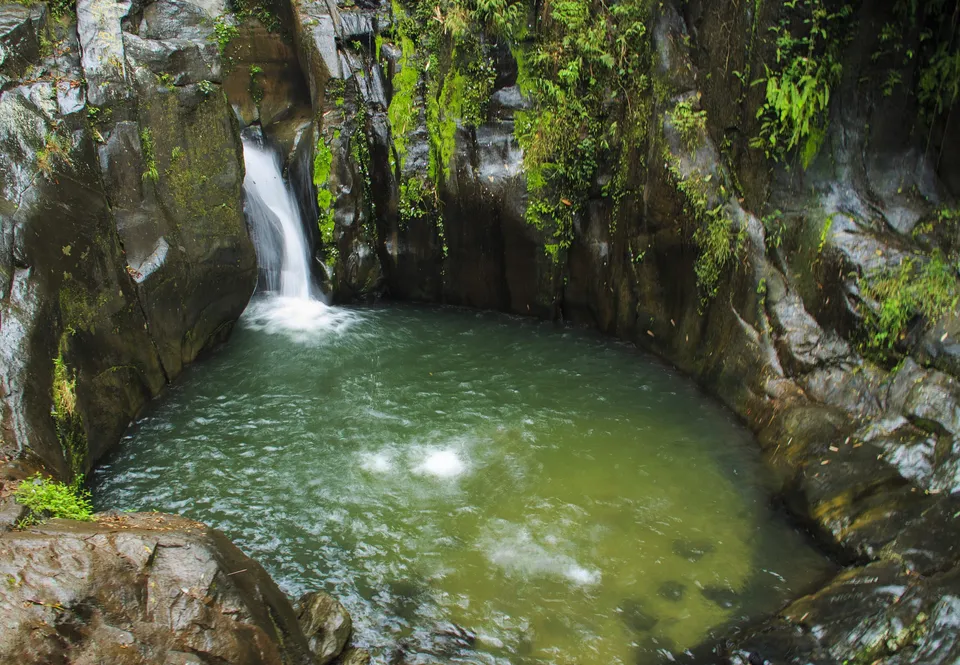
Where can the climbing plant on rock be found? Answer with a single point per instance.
(799, 84)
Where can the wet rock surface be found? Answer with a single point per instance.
(140, 588)
(326, 624)
(125, 253)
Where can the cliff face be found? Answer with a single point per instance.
(124, 249)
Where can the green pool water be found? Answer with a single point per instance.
(563, 497)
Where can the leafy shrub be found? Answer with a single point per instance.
(914, 288)
(797, 98)
(47, 499)
(224, 32)
(690, 124)
(148, 148)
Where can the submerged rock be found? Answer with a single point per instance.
(672, 590)
(326, 623)
(692, 550)
(725, 597)
(635, 616)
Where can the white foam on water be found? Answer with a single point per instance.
(444, 463)
(303, 320)
(377, 462)
(516, 551)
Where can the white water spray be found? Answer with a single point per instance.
(272, 208)
(291, 305)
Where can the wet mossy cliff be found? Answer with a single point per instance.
(124, 252)
(763, 193)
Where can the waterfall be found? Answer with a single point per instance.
(275, 224)
(291, 305)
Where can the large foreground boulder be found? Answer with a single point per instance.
(140, 588)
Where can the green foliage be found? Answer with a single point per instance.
(149, 155)
(322, 164)
(47, 499)
(798, 88)
(923, 35)
(927, 288)
(690, 124)
(259, 9)
(718, 240)
(256, 89)
(206, 87)
(224, 31)
(825, 233)
(587, 56)
(67, 419)
(166, 80)
(774, 228)
(402, 110)
(939, 86)
(54, 151)
(719, 245)
(414, 197)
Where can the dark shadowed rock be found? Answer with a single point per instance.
(326, 624)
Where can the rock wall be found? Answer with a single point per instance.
(124, 252)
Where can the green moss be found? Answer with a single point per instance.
(195, 189)
(54, 153)
(66, 417)
(79, 308)
(48, 499)
(402, 110)
(149, 155)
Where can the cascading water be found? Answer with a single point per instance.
(290, 302)
(275, 223)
